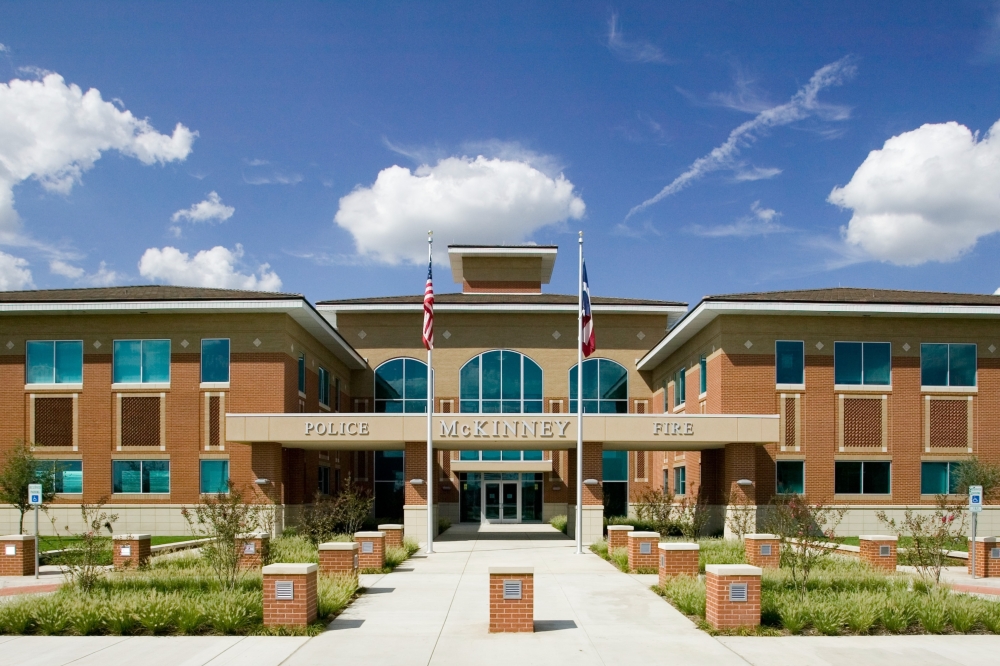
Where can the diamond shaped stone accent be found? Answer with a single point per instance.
(992, 349)
(97, 344)
(748, 344)
(362, 335)
(556, 335)
(906, 346)
(640, 335)
(447, 335)
(185, 343)
(819, 345)
(10, 345)
(256, 342)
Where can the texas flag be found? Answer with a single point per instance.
(587, 340)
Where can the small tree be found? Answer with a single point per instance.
(355, 505)
(656, 508)
(85, 562)
(20, 469)
(692, 516)
(931, 535)
(741, 518)
(802, 529)
(975, 472)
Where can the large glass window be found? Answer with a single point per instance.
(389, 485)
(859, 363)
(615, 480)
(500, 381)
(939, 478)
(500, 455)
(789, 362)
(680, 387)
(302, 373)
(323, 480)
(401, 386)
(862, 477)
(680, 480)
(703, 375)
(215, 477)
(63, 476)
(140, 476)
(791, 477)
(54, 362)
(605, 387)
(141, 361)
(215, 360)
(324, 387)
(947, 364)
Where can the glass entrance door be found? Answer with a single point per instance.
(501, 501)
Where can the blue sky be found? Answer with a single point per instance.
(505, 122)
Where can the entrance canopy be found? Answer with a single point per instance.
(632, 432)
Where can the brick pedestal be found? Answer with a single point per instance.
(254, 549)
(17, 555)
(338, 557)
(732, 595)
(678, 559)
(512, 599)
(879, 551)
(290, 596)
(762, 550)
(642, 551)
(393, 535)
(987, 566)
(131, 551)
(618, 535)
(371, 549)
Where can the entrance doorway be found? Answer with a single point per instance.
(500, 497)
(500, 500)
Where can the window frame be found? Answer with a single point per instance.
(403, 399)
(142, 383)
(862, 477)
(324, 387)
(54, 462)
(680, 388)
(951, 470)
(142, 462)
(680, 480)
(301, 364)
(790, 385)
(320, 479)
(802, 463)
(201, 475)
(703, 375)
(521, 400)
(598, 400)
(229, 366)
(948, 386)
(863, 386)
(53, 383)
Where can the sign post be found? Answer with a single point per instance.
(35, 500)
(975, 507)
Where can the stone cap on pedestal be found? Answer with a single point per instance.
(675, 545)
(18, 537)
(369, 534)
(988, 539)
(627, 528)
(390, 526)
(339, 545)
(760, 536)
(254, 535)
(132, 537)
(733, 570)
(647, 535)
(289, 569)
(513, 571)
(878, 537)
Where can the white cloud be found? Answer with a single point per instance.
(14, 273)
(217, 267)
(463, 200)
(54, 132)
(60, 267)
(210, 209)
(104, 277)
(4, 48)
(760, 222)
(803, 104)
(927, 195)
(631, 51)
(756, 173)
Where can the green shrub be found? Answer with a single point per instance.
(991, 617)
(190, 619)
(85, 617)
(862, 610)
(158, 613)
(443, 524)
(234, 612)
(559, 522)
(394, 556)
(897, 613)
(619, 557)
(720, 551)
(334, 593)
(827, 616)
(794, 614)
(963, 612)
(16, 615)
(932, 611)
(51, 618)
(410, 545)
(296, 549)
(687, 593)
(600, 548)
(119, 616)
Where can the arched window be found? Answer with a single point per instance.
(500, 382)
(605, 387)
(401, 386)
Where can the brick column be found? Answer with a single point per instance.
(393, 535)
(415, 495)
(618, 535)
(290, 595)
(642, 551)
(732, 595)
(338, 557)
(17, 555)
(266, 463)
(512, 599)
(131, 551)
(592, 502)
(740, 465)
(254, 549)
(371, 549)
(987, 566)
(879, 551)
(762, 550)
(678, 559)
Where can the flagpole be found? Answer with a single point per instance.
(579, 406)
(430, 432)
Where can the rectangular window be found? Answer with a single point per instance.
(939, 478)
(141, 362)
(215, 360)
(789, 362)
(790, 477)
(947, 364)
(140, 476)
(54, 362)
(703, 375)
(324, 387)
(323, 480)
(336, 393)
(214, 477)
(679, 387)
(66, 476)
(615, 466)
(680, 480)
(862, 363)
(302, 373)
(862, 477)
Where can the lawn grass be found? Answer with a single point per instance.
(905, 542)
(60, 542)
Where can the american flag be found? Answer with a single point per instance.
(429, 308)
(588, 341)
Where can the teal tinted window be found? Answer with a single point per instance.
(500, 381)
(680, 387)
(401, 386)
(847, 363)
(961, 365)
(862, 477)
(324, 387)
(215, 476)
(703, 375)
(140, 476)
(215, 360)
(141, 361)
(680, 480)
(938, 478)
(790, 477)
(605, 387)
(947, 364)
(302, 373)
(789, 362)
(857, 363)
(615, 464)
(54, 362)
(63, 476)
(934, 365)
(468, 455)
(877, 362)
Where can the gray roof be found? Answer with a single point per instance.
(139, 293)
(505, 299)
(860, 295)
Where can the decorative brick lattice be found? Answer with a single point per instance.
(140, 421)
(214, 421)
(791, 441)
(949, 423)
(862, 423)
(53, 422)
(640, 465)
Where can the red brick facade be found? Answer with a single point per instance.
(301, 609)
(17, 555)
(720, 611)
(642, 551)
(677, 559)
(987, 566)
(618, 536)
(762, 550)
(393, 535)
(131, 551)
(371, 549)
(879, 551)
(507, 614)
(338, 557)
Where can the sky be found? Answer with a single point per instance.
(702, 148)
